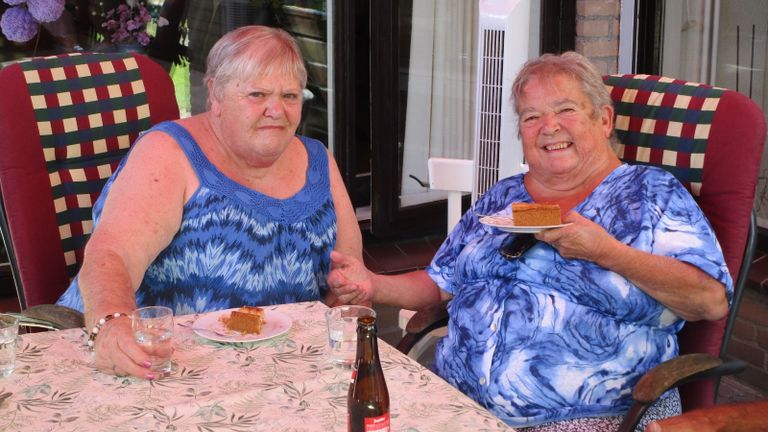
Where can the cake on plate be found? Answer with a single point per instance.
(532, 214)
(247, 319)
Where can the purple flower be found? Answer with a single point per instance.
(14, 2)
(45, 10)
(126, 23)
(18, 25)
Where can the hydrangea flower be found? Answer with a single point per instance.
(45, 10)
(128, 22)
(20, 23)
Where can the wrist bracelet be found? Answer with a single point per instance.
(99, 325)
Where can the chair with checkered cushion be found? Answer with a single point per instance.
(65, 123)
(711, 139)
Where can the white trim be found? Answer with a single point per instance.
(627, 37)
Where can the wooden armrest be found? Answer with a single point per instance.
(51, 316)
(670, 374)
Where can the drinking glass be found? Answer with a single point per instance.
(9, 341)
(342, 333)
(153, 331)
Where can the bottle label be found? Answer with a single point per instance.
(376, 424)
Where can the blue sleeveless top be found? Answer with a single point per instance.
(236, 246)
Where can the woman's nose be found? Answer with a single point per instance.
(550, 124)
(274, 107)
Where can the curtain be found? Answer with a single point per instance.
(439, 115)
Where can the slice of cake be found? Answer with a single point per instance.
(532, 214)
(247, 319)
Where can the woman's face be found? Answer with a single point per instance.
(257, 119)
(561, 136)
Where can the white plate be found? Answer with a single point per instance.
(505, 223)
(209, 327)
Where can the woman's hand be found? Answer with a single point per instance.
(349, 280)
(117, 353)
(583, 239)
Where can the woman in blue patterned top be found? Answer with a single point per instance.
(556, 339)
(223, 209)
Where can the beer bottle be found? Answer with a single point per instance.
(368, 400)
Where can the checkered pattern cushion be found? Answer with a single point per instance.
(65, 123)
(664, 122)
(89, 108)
(711, 139)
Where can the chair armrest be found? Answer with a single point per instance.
(422, 323)
(670, 374)
(51, 317)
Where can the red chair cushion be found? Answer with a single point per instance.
(65, 123)
(711, 139)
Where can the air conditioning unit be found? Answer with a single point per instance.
(503, 40)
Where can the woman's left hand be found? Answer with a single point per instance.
(582, 239)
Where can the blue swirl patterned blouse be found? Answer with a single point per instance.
(544, 338)
(236, 246)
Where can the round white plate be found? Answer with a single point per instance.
(209, 327)
(505, 223)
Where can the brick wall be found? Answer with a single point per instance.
(597, 33)
(749, 340)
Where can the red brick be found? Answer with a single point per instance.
(748, 353)
(744, 330)
(593, 28)
(754, 308)
(755, 377)
(762, 338)
(598, 7)
(597, 48)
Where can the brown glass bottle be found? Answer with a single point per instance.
(368, 400)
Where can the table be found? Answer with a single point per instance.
(284, 383)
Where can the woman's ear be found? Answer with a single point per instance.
(606, 120)
(213, 102)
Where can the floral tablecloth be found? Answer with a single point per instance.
(281, 384)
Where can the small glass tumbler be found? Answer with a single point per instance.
(342, 333)
(9, 342)
(153, 331)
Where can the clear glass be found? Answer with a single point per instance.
(153, 331)
(342, 333)
(9, 332)
(726, 46)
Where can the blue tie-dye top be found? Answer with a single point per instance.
(236, 246)
(544, 338)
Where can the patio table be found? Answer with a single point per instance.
(281, 384)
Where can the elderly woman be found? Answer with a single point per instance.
(558, 338)
(223, 209)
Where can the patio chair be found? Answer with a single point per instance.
(711, 139)
(65, 123)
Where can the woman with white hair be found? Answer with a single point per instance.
(223, 209)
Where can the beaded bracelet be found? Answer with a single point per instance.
(99, 325)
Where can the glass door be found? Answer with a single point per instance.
(722, 43)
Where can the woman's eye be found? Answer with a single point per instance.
(291, 96)
(530, 118)
(257, 94)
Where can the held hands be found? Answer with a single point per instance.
(349, 280)
(583, 239)
(116, 352)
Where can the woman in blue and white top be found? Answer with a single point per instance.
(223, 209)
(557, 339)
